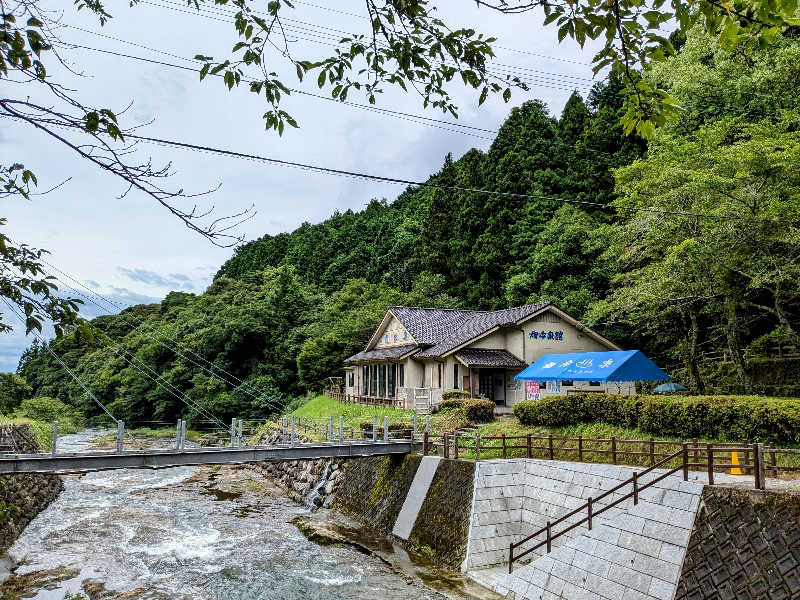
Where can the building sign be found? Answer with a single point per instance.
(532, 391)
(553, 387)
(553, 336)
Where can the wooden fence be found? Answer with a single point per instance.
(614, 450)
(358, 399)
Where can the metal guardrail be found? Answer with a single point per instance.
(162, 458)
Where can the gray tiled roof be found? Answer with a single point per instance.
(429, 326)
(382, 353)
(483, 357)
(479, 323)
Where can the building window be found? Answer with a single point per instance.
(351, 378)
(401, 376)
(455, 376)
(382, 381)
(390, 380)
(594, 383)
(364, 380)
(567, 382)
(439, 365)
(373, 380)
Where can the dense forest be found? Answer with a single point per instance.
(686, 246)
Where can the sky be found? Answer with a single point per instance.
(130, 249)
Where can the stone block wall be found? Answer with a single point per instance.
(744, 544)
(23, 496)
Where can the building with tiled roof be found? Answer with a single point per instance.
(434, 350)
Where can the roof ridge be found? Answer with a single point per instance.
(474, 310)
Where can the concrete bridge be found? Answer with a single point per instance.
(164, 458)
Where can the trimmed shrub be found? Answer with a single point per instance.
(455, 395)
(734, 418)
(46, 409)
(479, 411)
(453, 403)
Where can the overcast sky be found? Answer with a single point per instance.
(132, 250)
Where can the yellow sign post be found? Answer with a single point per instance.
(735, 461)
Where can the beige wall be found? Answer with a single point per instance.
(394, 330)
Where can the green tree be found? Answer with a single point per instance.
(13, 390)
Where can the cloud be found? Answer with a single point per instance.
(92, 283)
(171, 281)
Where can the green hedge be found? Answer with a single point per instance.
(455, 395)
(453, 403)
(733, 418)
(479, 411)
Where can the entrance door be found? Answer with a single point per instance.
(500, 387)
(465, 384)
(486, 383)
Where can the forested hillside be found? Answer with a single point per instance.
(614, 230)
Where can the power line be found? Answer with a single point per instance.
(86, 390)
(255, 394)
(506, 48)
(418, 119)
(407, 182)
(536, 80)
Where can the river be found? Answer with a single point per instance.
(190, 533)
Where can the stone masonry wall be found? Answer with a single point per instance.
(300, 477)
(744, 544)
(23, 496)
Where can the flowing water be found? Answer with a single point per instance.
(192, 533)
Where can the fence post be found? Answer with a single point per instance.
(414, 430)
(341, 428)
(183, 432)
(580, 448)
(710, 450)
(758, 456)
(685, 457)
(549, 538)
(425, 443)
(550, 446)
(614, 449)
(696, 451)
(55, 437)
(445, 446)
(528, 443)
(589, 507)
(386, 428)
(120, 436)
(504, 444)
(374, 428)
(477, 446)
(510, 556)
(239, 441)
(427, 423)
(635, 488)
(330, 429)
(178, 436)
(652, 452)
(455, 445)
(772, 458)
(233, 430)
(291, 441)
(284, 422)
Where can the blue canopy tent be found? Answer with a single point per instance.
(617, 366)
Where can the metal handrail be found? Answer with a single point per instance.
(588, 506)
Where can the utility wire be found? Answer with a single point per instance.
(397, 114)
(408, 182)
(516, 50)
(251, 391)
(536, 80)
(61, 362)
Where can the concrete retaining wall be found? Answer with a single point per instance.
(744, 544)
